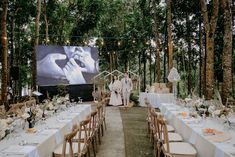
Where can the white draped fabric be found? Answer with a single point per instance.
(48, 135)
(156, 99)
(191, 131)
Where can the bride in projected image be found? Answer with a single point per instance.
(74, 64)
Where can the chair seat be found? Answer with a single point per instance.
(58, 151)
(170, 128)
(181, 148)
(174, 137)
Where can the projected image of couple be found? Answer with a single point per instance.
(77, 61)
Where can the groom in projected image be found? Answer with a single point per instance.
(69, 65)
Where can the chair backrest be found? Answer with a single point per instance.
(162, 126)
(94, 116)
(99, 112)
(154, 117)
(103, 109)
(84, 126)
(68, 139)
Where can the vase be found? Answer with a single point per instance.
(31, 123)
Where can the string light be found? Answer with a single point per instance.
(102, 43)
(119, 43)
(133, 41)
(29, 39)
(67, 42)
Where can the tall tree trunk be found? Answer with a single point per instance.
(188, 36)
(158, 66)
(157, 42)
(200, 58)
(210, 27)
(110, 62)
(46, 21)
(150, 67)
(4, 53)
(227, 50)
(144, 58)
(204, 67)
(169, 39)
(169, 36)
(34, 61)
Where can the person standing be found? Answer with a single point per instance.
(126, 89)
(115, 88)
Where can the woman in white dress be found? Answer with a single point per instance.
(115, 88)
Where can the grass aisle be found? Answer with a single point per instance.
(137, 143)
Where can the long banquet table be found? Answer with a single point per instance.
(156, 99)
(191, 131)
(48, 136)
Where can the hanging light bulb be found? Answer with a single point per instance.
(119, 43)
(102, 43)
(147, 42)
(29, 39)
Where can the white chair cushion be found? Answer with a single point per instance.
(181, 148)
(174, 137)
(170, 128)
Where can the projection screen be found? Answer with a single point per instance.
(66, 65)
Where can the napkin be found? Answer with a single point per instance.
(220, 137)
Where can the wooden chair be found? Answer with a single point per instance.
(147, 104)
(175, 149)
(68, 148)
(103, 110)
(94, 131)
(78, 141)
(99, 121)
(157, 134)
(84, 138)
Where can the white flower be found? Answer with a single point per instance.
(50, 106)
(187, 99)
(211, 109)
(39, 112)
(216, 112)
(25, 116)
(3, 124)
(27, 109)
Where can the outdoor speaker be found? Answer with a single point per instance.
(15, 73)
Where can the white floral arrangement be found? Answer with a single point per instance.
(4, 126)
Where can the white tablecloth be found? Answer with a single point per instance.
(48, 137)
(156, 99)
(191, 131)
